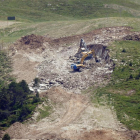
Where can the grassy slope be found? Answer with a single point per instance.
(5, 69)
(60, 18)
(42, 10)
(123, 91)
(64, 28)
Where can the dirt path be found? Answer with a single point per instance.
(69, 112)
(72, 116)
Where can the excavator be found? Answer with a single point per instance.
(76, 67)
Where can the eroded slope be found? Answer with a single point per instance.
(73, 114)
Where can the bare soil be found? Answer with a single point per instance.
(74, 116)
(4, 24)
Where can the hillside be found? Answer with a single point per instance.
(48, 10)
(101, 100)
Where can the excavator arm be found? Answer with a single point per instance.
(85, 54)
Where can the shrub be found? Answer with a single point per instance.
(6, 137)
(123, 50)
(130, 64)
(36, 82)
(131, 76)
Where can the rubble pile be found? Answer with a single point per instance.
(33, 40)
(51, 74)
(134, 37)
(30, 43)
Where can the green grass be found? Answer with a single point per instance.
(45, 112)
(54, 10)
(123, 91)
(5, 69)
(57, 29)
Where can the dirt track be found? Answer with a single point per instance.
(73, 115)
(73, 118)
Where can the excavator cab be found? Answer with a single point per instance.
(74, 67)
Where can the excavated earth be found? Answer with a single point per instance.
(73, 117)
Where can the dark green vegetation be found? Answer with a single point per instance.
(123, 91)
(44, 10)
(5, 69)
(16, 103)
(6, 137)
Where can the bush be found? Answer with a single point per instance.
(36, 82)
(137, 76)
(130, 64)
(6, 137)
(123, 50)
(15, 103)
(36, 99)
(131, 76)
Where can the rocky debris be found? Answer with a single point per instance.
(134, 37)
(101, 52)
(99, 36)
(54, 71)
(51, 76)
(33, 40)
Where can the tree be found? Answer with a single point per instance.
(36, 82)
(131, 76)
(124, 50)
(37, 95)
(15, 103)
(24, 86)
(6, 137)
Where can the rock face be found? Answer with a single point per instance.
(101, 52)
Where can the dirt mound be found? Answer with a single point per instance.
(17, 130)
(32, 40)
(117, 32)
(132, 135)
(132, 37)
(57, 95)
(30, 43)
(99, 135)
(1, 133)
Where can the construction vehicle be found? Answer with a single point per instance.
(91, 53)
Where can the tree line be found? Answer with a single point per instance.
(17, 103)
